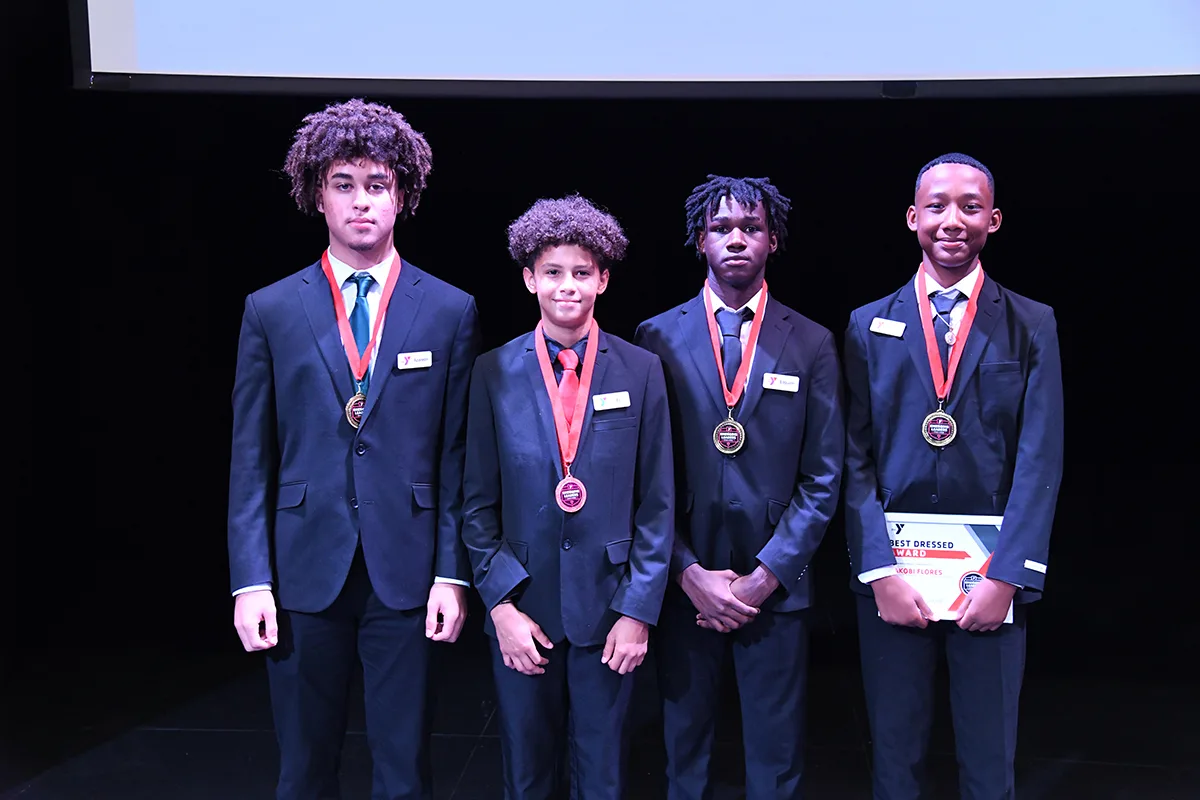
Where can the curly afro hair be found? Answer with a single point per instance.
(568, 220)
(353, 131)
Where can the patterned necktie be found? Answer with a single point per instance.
(730, 323)
(568, 385)
(943, 303)
(360, 318)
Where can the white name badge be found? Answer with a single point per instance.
(781, 383)
(422, 359)
(888, 327)
(603, 402)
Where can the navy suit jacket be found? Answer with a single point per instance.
(575, 572)
(304, 484)
(1007, 457)
(771, 501)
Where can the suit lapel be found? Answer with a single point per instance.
(545, 411)
(317, 299)
(401, 313)
(987, 314)
(772, 337)
(909, 313)
(693, 325)
(598, 373)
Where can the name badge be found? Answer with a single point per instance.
(888, 327)
(781, 383)
(422, 359)
(603, 402)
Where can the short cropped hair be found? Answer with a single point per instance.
(567, 220)
(351, 132)
(957, 158)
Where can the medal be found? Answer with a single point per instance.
(570, 493)
(939, 428)
(356, 406)
(730, 436)
(354, 409)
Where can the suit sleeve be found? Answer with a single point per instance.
(866, 531)
(450, 560)
(1023, 548)
(641, 592)
(682, 555)
(497, 570)
(253, 469)
(792, 546)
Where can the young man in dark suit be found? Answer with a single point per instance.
(568, 510)
(955, 409)
(756, 409)
(349, 417)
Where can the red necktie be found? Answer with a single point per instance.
(568, 387)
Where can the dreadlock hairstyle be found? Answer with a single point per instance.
(958, 158)
(702, 203)
(568, 220)
(353, 131)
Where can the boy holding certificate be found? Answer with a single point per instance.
(955, 410)
(568, 509)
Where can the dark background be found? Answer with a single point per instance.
(138, 223)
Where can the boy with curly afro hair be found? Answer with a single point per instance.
(568, 509)
(349, 418)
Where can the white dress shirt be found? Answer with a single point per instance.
(744, 334)
(342, 272)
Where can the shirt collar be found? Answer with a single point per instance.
(342, 271)
(718, 304)
(965, 286)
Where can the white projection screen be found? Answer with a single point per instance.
(640, 47)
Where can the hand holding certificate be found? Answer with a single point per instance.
(944, 557)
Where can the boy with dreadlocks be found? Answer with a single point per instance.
(568, 510)
(956, 408)
(349, 418)
(758, 428)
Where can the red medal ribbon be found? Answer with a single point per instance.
(739, 381)
(568, 433)
(359, 364)
(942, 385)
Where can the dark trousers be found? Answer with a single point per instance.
(310, 671)
(770, 662)
(985, 683)
(577, 699)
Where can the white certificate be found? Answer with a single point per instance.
(943, 556)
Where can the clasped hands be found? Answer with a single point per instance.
(724, 600)
(519, 636)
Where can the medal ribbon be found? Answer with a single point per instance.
(732, 396)
(942, 385)
(568, 434)
(359, 364)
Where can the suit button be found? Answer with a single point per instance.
(354, 502)
(362, 448)
(933, 498)
(566, 544)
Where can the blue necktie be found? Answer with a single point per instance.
(730, 323)
(943, 304)
(360, 319)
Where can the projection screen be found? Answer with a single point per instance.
(639, 47)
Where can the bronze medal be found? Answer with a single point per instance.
(939, 428)
(354, 409)
(729, 436)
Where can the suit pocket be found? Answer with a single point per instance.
(424, 495)
(618, 551)
(999, 367)
(613, 423)
(520, 550)
(291, 495)
(885, 497)
(775, 511)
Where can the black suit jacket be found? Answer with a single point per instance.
(772, 501)
(304, 484)
(1007, 458)
(575, 572)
